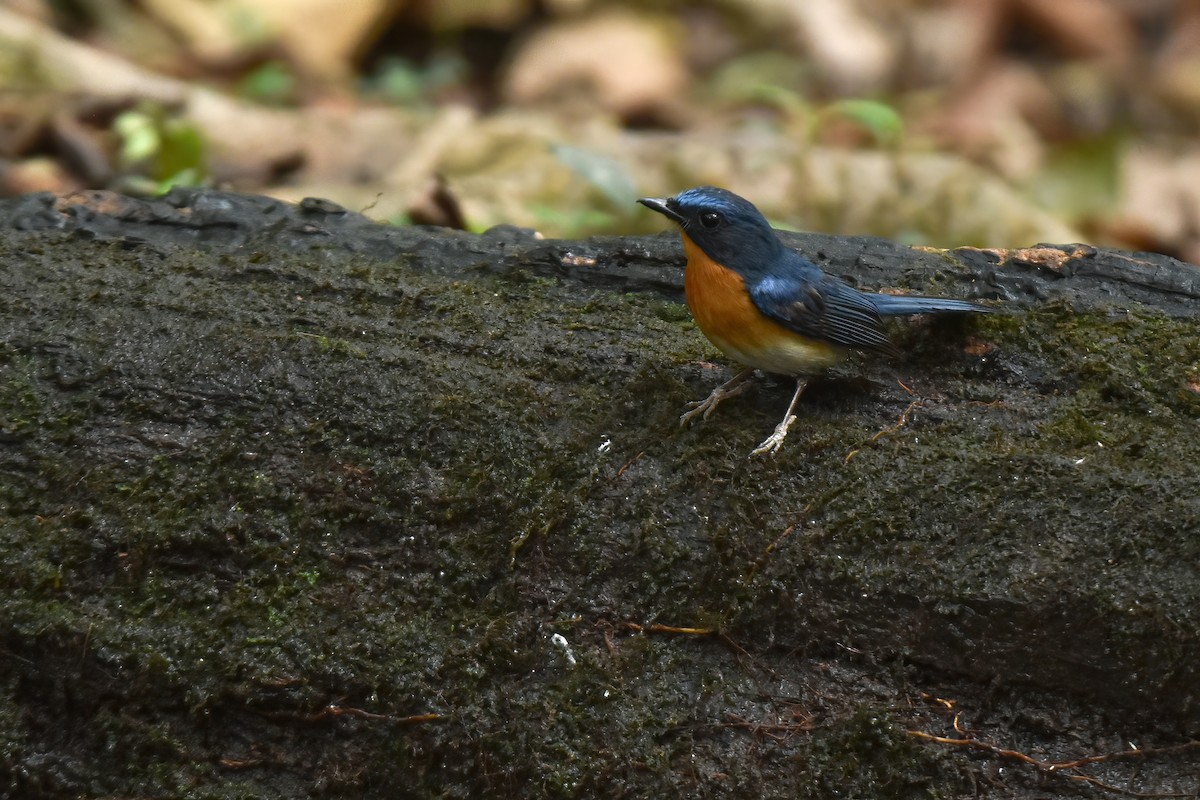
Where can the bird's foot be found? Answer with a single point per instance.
(731, 388)
(773, 442)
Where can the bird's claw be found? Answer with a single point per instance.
(702, 408)
(772, 443)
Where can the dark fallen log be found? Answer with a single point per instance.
(292, 500)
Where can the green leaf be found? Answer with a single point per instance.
(606, 174)
(139, 136)
(182, 152)
(780, 97)
(272, 83)
(164, 150)
(880, 120)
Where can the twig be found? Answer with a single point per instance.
(900, 423)
(788, 531)
(332, 710)
(1065, 768)
(779, 731)
(628, 464)
(656, 627)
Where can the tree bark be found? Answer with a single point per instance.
(291, 499)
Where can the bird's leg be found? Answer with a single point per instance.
(773, 442)
(730, 388)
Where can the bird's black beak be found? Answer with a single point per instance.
(662, 206)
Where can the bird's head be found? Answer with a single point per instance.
(728, 228)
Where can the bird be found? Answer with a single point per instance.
(770, 308)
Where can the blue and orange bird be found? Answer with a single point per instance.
(770, 308)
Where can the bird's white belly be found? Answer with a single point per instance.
(786, 356)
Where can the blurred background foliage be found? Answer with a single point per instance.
(940, 122)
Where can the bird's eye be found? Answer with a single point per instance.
(710, 219)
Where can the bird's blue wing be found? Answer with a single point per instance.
(812, 304)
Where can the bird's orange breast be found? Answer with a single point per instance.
(721, 306)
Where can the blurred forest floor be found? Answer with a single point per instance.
(941, 122)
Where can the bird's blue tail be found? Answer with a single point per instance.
(898, 305)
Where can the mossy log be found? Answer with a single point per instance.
(294, 503)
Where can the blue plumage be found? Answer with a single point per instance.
(786, 286)
(768, 306)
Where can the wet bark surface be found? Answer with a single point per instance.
(292, 503)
